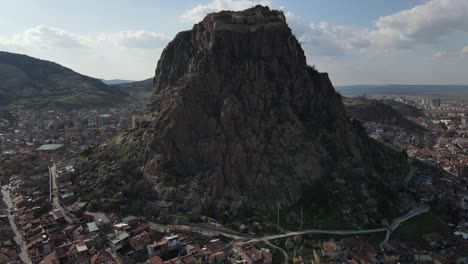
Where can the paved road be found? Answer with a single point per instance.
(410, 174)
(318, 231)
(55, 190)
(412, 213)
(18, 236)
(205, 230)
(286, 258)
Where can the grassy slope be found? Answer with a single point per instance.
(111, 174)
(415, 228)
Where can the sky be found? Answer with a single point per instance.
(355, 41)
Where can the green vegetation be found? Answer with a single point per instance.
(416, 227)
(112, 175)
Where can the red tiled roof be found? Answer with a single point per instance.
(102, 256)
(155, 260)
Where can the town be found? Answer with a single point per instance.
(43, 219)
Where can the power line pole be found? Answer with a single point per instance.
(277, 217)
(302, 213)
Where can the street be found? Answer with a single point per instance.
(55, 191)
(18, 237)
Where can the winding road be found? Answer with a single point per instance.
(215, 230)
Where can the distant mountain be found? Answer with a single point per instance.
(402, 89)
(139, 90)
(116, 81)
(136, 85)
(40, 84)
(378, 111)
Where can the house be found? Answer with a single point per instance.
(102, 257)
(7, 255)
(216, 258)
(172, 242)
(100, 219)
(6, 235)
(79, 232)
(92, 228)
(120, 241)
(57, 215)
(267, 257)
(39, 248)
(82, 259)
(172, 261)
(77, 208)
(76, 250)
(122, 227)
(194, 251)
(154, 260)
(298, 260)
(187, 259)
(214, 246)
(391, 256)
(251, 255)
(432, 238)
(130, 220)
(139, 242)
(159, 248)
(428, 257)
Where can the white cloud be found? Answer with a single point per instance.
(423, 24)
(137, 39)
(324, 39)
(45, 37)
(197, 13)
(464, 52)
(441, 55)
(123, 54)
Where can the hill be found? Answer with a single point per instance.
(116, 81)
(39, 84)
(381, 112)
(139, 90)
(404, 109)
(402, 89)
(241, 124)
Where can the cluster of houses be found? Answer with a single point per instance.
(52, 235)
(349, 249)
(8, 247)
(214, 251)
(357, 250)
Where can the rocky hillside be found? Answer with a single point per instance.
(241, 123)
(39, 84)
(378, 111)
(112, 176)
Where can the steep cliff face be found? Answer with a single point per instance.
(240, 120)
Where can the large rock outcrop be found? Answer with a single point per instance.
(241, 121)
